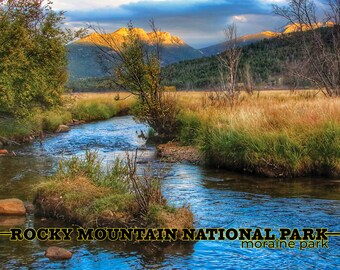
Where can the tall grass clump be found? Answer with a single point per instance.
(85, 192)
(51, 120)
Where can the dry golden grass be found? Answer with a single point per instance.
(124, 102)
(276, 133)
(268, 111)
(264, 111)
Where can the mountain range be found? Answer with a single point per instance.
(85, 56)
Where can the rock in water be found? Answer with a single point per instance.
(63, 128)
(56, 253)
(12, 207)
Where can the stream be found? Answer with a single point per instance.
(218, 199)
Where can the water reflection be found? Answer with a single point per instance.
(319, 188)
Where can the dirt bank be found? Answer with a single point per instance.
(173, 152)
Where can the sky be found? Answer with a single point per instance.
(199, 23)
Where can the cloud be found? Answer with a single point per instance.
(198, 22)
(240, 18)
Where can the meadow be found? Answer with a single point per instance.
(271, 133)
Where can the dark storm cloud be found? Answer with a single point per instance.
(198, 23)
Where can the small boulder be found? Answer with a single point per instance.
(3, 152)
(63, 128)
(76, 122)
(57, 253)
(12, 207)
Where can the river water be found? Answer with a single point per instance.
(217, 199)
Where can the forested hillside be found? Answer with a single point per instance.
(266, 59)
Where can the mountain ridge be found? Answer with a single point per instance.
(251, 38)
(119, 36)
(86, 59)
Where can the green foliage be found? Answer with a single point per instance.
(95, 196)
(94, 84)
(113, 202)
(32, 56)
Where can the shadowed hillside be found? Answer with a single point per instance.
(241, 41)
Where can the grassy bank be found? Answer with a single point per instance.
(85, 193)
(274, 134)
(82, 107)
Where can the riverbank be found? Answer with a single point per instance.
(76, 109)
(174, 152)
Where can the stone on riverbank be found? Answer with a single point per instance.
(62, 128)
(12, 207)
(56, 253)
(3, 152)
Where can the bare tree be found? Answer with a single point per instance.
(320, 48)
(248, 79)
(229, 64)
(136, 68)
